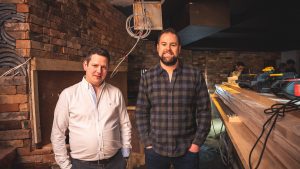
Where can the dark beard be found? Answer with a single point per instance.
(172, 62)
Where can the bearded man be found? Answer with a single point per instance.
(173, 109)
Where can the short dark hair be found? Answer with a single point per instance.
(168, 30)
(98, 51)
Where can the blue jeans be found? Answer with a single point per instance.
(155, 161)
(117, 162)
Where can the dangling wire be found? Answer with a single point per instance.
(115, 71)
(14, 68)
(138, 34)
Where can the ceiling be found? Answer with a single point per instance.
(253, 25)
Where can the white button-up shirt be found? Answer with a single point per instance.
(97, 128)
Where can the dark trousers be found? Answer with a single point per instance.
(116, 162)
(155, 161)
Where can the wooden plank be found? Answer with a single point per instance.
(224, 111)
(63, 65)
(15, 134)
(250, 106)
(10, 125)
(55, 65)
(243, 139)
(35, 108)
(13, 116)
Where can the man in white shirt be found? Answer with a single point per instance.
(95, 114)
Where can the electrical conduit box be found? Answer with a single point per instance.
(150, 9)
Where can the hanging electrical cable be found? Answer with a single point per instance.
(115, 71)
(140, 33)
(15, 68)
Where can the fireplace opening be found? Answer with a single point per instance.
(51, 84)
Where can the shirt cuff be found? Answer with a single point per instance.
(125, 152)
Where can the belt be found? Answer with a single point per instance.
(102, 161)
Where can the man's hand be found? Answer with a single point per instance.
(194, 148)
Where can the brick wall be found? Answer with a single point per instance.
(14, 112)
(217, 64)
(15, 124)
(65, 29)
(62, 30)
(214, 64)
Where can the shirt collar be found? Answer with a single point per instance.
(178, 68)
(87, 85)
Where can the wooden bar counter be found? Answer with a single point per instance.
(283, 146)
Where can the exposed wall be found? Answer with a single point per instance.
(60, 30)
(15, 124)
(64, 30)
(215, 65)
